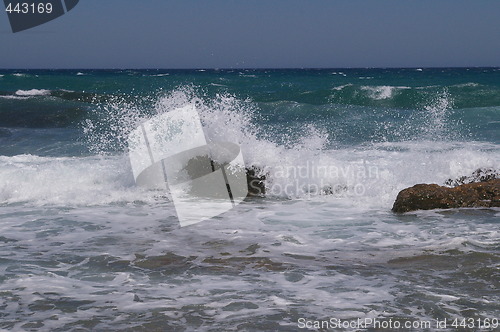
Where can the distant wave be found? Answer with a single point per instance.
(341, 87)
(13, 97)
(465, 85)
(33, 92)
(382, 92)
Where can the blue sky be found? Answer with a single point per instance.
(260, 34)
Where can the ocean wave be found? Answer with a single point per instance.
(33, 92)
(341, 87)
(382, 92)
(14, 97)
(467, 85)
(64, 180)
(306, 166)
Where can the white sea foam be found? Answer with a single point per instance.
(382, 92)
(13, 97)
(465, 85)
(33, 92)
(65, 181)
(341, 87)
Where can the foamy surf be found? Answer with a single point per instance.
(82, 247)
(33, 92)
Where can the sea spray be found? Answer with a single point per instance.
(226, 117)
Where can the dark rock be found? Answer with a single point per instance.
(433, 196)
(479, 175)
(256, 182)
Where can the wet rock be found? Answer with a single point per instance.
(433, 196)
(479, 175)
(256, 182)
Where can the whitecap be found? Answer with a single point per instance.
(12, 97)
(33, 92)
(379, 92)
(383, 91)
(465, 85)
(341, 87)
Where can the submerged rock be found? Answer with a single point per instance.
(433, 196)
(256, 182)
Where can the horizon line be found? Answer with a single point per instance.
(263, 68)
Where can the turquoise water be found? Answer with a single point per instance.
(83, 248)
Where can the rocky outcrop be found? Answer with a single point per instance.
(433, 196)
(256, 182)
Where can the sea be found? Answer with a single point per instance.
(83, 248)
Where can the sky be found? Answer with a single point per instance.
(260, 34)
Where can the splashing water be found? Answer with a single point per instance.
(437, 122)
(224, 117)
